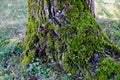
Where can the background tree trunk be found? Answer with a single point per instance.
(64, 31)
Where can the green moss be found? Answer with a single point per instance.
(108, 68)
(112, 47)
(32, 37)
(4, 42)
(87, 39)
(28, 58)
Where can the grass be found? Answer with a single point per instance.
(108, 15)
(13, 16)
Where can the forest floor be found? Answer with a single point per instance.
(13, 18)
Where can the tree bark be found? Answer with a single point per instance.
(64, 31)
(91, 6)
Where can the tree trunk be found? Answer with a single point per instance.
(91, 6)
(64, 31)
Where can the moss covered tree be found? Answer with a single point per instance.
(65, 31)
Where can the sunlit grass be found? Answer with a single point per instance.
(107, 9)
(108, 15)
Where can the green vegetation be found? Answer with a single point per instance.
(110, 24)
(106, 67)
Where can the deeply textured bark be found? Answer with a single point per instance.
(64, 31)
